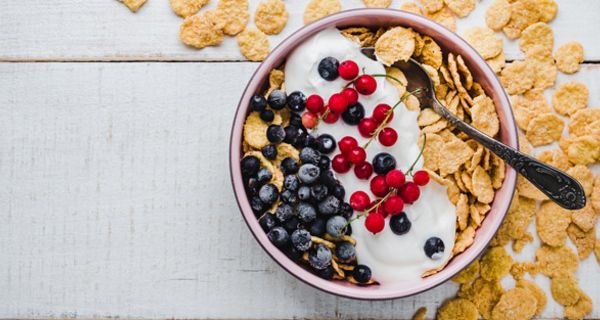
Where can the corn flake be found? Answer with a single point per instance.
(544, 128)
(432, 5)
(497, 14)
(580, 309)
(527, 107)
(537, 35)
(581, 121)
(200, 31)
(551, 223)
(411, 7)
(564, 289)
(186, 8)
(484, 41)
(584, 240)
(394, 45)
(570, 97)
(461, 153)
(556, 158)
(458, 309)
(516, 77)
(584, 150)
(584, 176)
(234, 15)
(535, 291)
(497, 63)
(420, 314)
(444, 17)
(595, 196)
(515, 304)
(377, 3)
(523, 14)
(271, 16)
(134, 5)
(553, 261)
(495, 264)
(253, 43)
(468, 274)
(484, 117)
(547, 9)
(568, 57)
(317, 9)
(461, 8)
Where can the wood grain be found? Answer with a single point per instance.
(105, 30)
(116, 201)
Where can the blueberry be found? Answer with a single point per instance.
(289, 197)
(320, 258)
(267, 222)
(268, 194)
(258, 103)
(296, 120)
(329, 206)
(328, 68)
(312, 142)
(278, 236)
(308, 173)
(338, 191)
(301, 239)
(252, 186)
(291, 134)
(250, 166)
(289, 166)
(318, 192)
(328, 179)
(349, 230)
(291, 182)
(257, 205)
(296, 101)
(345, 251)
(304, 193)
(324, 163)
(327, 143)
(300, 140)
(317, 228)
(267, 115)
(275, 133)
(292, 224)
(264, 175)
(269, 151)
(277, 99)
(310, 155)
(326, 273)
(293, 253)
(362, 273)
(335, 226)
(284, 212)
(345, 210)
(400, 224)
(354, 114)
(434, 248)
(306, 212)
(383, 163)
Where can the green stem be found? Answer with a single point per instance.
(366, 212)
(377, 75)
(409, 171)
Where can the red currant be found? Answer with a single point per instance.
(421, 177)
(339, 164)
(395, 178)
(363, 171)
(346, 144)
(314, 103)
(331, 117)
(357, 155)
(393, 205)
(409, 192)
(338, 103)
(367, 126)
(388, 137)
(378, 186)
(348, 70)
(365, 84)
(309, 120)
(379, 209)
(381, 112)
(359, 201)
(375, 222)
(351, 95)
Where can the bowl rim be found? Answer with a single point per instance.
(299, 272)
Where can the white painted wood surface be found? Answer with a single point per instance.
(115, 198)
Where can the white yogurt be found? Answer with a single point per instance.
(390, 257)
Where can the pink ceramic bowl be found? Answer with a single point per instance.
(449, 41)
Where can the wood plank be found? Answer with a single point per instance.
(116, 201)
(106, 30)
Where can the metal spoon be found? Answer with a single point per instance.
(557, 185)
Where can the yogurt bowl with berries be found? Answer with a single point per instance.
(328, 164)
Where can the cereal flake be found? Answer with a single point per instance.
(200, 31)
(551, 223)
(495, 264)
(394, 45)
(515, 304)
(497, 14)
(234, 14)
(570, 97)
(485, 41)
(317, 9)
(271, 16)
(253, 43)
(568, 57)
(544, 128)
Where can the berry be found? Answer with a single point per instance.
(284, 212)
(351, 95)
(268, 194)
(399, 224)
(317, 228)
(291, 182)
(314, 103)
(375, 222)
(295, 120)
(328, 68)
(304, 193)
(365, 84)
(308, 173)
(326, 273)
(252, 186)
(346, 210)
(277, 99)
(257, 205)
(335, 226)
(327, 178)
(327, 143)
(421, 178)
(359, 200)
(434, 248)
(338, 191)
(275, 133)
(324, 162)
(363, 170)
(289, 166)
(339, 164)
(388, 137)
(296, 101)
(301, 239)
(328, 206)
(353, 114)
(250, 166)
(258, 103)
(393, 205)
(291, 134)
(345, 251)
(289, 197)
(319, 192)
(331, 117)
(348, 70)
(383, 162)
(337, 103)
(291, 224)
(306, 212)
(278, 236)
(264, 175)
(349, 230)
(395, 179)
(320, 258)
(361, 273)
(409, 192)
(293, 253)
(346, 144)
(311, 142)
(357, 155)
(267, 115)
(269, 151)
(310, 120)
(310, 155)
(378, 186)
(367, 127)
(381, 111)
(267, 222)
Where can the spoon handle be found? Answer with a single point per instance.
(557, 185)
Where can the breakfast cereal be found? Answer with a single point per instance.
(317, 9)
(569, 56)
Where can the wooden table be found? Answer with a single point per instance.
(115, 197)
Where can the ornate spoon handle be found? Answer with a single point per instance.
(557, 185)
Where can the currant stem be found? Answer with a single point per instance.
(409, 171)
(377, 75)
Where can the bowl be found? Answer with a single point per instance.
(482, 73)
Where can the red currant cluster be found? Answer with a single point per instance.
(393, 191)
